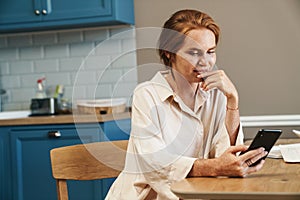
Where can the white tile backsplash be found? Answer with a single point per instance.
(58, 55)
(21, 67)
(45, 65)
(3, 41)
(70, 36)
(70, 64)
(29, 80)
(17, 95)
(99, 91)
(130, 74)
(122, 89)
(31, 53)
(11, 82)
(8, 54)
(96, 62)
(95, 35)
(63, 78)
(124, 59)
(108, 47)
(109, 75)
(81, 49)
(4, 69)
(44, 38)
(56, 51)
(19, 40)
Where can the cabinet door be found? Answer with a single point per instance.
(21, 16)
(76, 9)
(4, 164)
(31, 165)
(16, 11)
(116, 130)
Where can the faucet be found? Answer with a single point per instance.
(2, 92)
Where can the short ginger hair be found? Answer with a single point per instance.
(177, 27)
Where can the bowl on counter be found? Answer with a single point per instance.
(101, 106)
(297, 132)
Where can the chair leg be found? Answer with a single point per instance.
(62, 189)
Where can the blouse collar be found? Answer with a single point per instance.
(165, 91)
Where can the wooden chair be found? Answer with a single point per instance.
(86, 162)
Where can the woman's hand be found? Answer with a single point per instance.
(229, 164)
(219, 79)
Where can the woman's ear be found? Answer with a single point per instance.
(167, 55)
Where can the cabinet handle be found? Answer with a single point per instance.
(54, 134)
(44, 12)
(37, 12)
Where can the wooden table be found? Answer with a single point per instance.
(276, 180)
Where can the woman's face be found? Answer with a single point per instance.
(197, 54)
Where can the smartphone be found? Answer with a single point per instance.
(264, 138)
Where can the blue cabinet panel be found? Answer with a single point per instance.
(31, 15)
(5, 180)
(16, 11)
(70, 9)
(116, 130)
(31, 164)
(25, 168)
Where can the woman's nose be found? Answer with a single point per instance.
(203, 61)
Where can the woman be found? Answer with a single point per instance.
(185, 121)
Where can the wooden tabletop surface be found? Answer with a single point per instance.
(276, 180)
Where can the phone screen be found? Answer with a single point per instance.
(264, 138)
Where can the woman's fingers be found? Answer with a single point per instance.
(255, 168)
(253, 155)
(216, 79)
(236, 149)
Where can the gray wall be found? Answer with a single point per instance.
(259, 48)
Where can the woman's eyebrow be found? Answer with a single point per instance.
(200, 49)
(214, 47)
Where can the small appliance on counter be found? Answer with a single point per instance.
(44, 106)
(41, 104)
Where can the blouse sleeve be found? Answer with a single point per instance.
(240, 136)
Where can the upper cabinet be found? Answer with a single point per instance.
(34, 15)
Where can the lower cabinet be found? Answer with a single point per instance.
(30, 165)
(5, 179)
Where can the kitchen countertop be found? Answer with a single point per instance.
(64, 119)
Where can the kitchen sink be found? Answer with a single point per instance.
(14, 114)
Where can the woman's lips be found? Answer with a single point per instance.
(199, 71)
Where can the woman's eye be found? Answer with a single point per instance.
(211, 52)
(194, 53)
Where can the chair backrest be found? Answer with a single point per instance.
(86, 162)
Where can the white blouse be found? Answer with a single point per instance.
(167, 137)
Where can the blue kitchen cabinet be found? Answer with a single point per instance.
(16, 11)
(31, 166)
(4, 165)
(19, 16)
(116, 130)
(26, 165)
